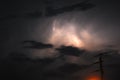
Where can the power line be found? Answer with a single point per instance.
(100, 61)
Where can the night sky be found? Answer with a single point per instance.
(62, 46)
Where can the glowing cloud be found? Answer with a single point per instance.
(69, 34)
(65, 35)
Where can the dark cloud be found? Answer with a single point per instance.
(35, 14)
(19, 66)
(82, 6)
(70, 50)
(71, 68)
(49, 10)
(36, 45)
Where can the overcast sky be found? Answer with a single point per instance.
(100, 23)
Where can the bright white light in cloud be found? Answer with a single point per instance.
(65, 35)
(69, 34)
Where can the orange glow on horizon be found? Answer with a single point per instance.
(93, 78)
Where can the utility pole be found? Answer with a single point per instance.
(100, 61)
(101, 66)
